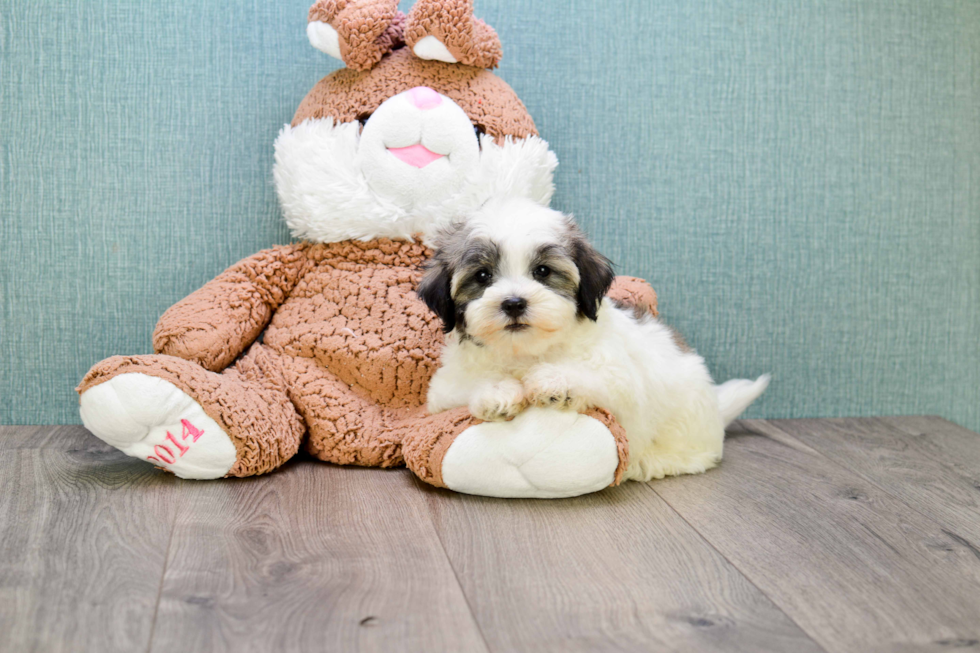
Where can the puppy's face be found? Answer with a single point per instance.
(515, 274)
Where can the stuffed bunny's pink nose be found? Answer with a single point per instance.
(424, 97)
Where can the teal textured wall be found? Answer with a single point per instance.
(800, 180)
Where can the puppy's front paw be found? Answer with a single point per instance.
(499, 401)
(549, 387)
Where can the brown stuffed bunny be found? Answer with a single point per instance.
(399, 143)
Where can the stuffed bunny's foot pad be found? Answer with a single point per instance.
(542, 453)
(153, 420)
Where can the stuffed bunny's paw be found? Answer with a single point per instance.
(539, 454)
(153, 420)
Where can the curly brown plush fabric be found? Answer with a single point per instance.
(346, 358)
(471, 41)
(347, 95)
(214, 324)
(619, 433)
(348, 349)
(249, 401)
(366, 29)
(631, 291)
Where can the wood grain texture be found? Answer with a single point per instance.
(855, 567)
(83, 540)
(313, 557)
(941, 439)
(934, 469)
(835, 535)
(618, 570)
(61, 438)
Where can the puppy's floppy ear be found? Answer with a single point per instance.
(435, 291)
(595, 273)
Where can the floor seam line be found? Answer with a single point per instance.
(935, 520)
(163, 578)
(442, 545)
(741, 573)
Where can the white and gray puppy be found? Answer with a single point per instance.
(521, 293)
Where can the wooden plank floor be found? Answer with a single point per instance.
(813, 535)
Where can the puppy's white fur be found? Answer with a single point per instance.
(662, 394)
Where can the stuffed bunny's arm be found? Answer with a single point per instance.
(214, 324)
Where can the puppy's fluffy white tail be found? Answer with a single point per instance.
(735, 396)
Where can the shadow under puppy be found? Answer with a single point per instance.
(521, 293)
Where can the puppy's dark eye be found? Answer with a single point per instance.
(541, 272)
(483, 277)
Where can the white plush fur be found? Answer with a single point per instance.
(327, 196)
(324, 38)
(337, 183)
(541, 454)
(142, 416)
(429, 47)
(663, 396)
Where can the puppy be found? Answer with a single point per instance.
(521, 294)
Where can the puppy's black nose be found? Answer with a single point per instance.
(514, 306)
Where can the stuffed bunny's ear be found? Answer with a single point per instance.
(324, 38)
(358, 32)
(445, 30)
